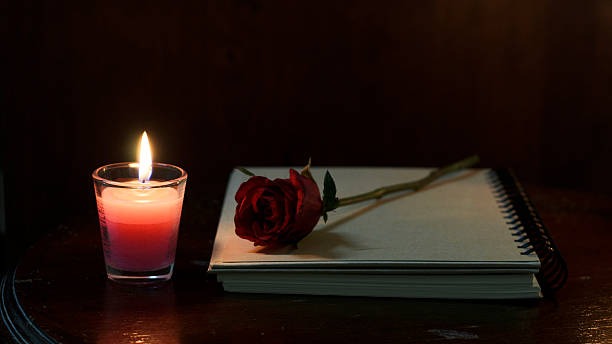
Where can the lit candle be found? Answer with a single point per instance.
(140, 219)
(141, 225)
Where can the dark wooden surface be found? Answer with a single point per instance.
(62, 287)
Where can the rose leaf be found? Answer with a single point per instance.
(330, 201)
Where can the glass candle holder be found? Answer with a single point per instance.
(139, 222)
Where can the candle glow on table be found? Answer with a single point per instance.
(140, 219)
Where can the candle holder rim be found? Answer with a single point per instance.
(175, 181)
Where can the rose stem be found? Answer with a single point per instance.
(415, 185)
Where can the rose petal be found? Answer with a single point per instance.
(242, 222)
(287, 188)
(263, 204)
(309, 205)
(253, 182)
(253, 196)
(289, 202)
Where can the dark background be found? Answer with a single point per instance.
(526, 84)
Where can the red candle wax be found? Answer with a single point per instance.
(141, 226)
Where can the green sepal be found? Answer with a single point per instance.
(245, 171)
(306, 171)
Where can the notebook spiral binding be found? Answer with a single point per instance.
(527, 226)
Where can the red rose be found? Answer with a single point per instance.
(279, 211)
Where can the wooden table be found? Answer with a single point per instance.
(59, 292)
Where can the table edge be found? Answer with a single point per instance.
(21, 328)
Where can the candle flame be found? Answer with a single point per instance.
(146, 163)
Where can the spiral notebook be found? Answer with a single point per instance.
(473, 234)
